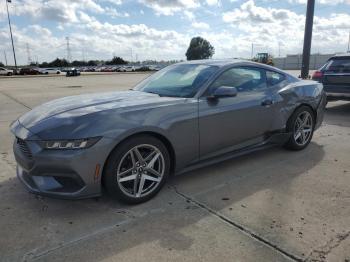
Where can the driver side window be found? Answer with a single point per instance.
(244, 79)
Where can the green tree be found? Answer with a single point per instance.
(92, 63)
(116, 61)
(1, 64)
(199, 48)
(79, 63)
(56, 63)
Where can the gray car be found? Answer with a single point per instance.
(183, 117)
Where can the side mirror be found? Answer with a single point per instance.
(224, 91)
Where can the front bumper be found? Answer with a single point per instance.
(68, 174)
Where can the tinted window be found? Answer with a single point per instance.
(339, 66)
(274, 78)
(244, 79)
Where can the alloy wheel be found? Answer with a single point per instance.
(303, 128)
(140, 170)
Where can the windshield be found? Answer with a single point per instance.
(181, 80)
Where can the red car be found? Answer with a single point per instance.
(29, 71)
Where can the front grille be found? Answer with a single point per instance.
(22, 145)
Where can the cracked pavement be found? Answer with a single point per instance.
(271, 205)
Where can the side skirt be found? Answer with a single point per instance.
(274, 139)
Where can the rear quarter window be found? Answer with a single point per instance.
(341, 65)
(274, 79)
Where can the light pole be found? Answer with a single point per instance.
(13, 46)
(307, 39)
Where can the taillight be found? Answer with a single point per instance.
(317, 74)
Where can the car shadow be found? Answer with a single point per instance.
(338, 113)
(41, 228)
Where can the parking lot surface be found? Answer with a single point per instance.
(272, 205)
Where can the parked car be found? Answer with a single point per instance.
(47, 71)
(73, 72)
(6, 72)
(335, 77)
(143, 68)
(128, 69)
(29, 71)
(185, 116)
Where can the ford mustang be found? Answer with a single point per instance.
(182, 117)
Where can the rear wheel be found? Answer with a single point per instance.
(301, 126)
(137, 169)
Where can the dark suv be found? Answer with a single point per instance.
(335, 77)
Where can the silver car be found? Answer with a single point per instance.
(184, 116)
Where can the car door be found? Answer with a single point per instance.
(2, 71)
(230, 123)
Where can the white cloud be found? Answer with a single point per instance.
(189, 15)
(114, 2)
(62, 11)
(200, 25)
(165, 7)
(249, 23)
(323, 2)
(213, 2)
(112, 12)
(266, 27)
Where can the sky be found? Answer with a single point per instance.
(162, 30)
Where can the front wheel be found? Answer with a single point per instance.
(301, 126)
(137, 169)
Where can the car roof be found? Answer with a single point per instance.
(345, 55)
(229, 62)
(216, 62)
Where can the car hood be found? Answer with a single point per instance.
(91, 103)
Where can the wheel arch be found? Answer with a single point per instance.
(157, 135)
(299, 106)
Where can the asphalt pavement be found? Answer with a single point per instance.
(272, 205)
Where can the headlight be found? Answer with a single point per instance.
(69, 144)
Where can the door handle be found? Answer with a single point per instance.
(267, 102)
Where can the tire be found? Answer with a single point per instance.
(301, 125)
(123, 177)
(9, 74)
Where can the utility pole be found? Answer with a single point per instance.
(13, 47)
(252, 51)
(349, 43)
(69, 56)
(28, 54)
(279, 49)
(5, 57)
(307, 39)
